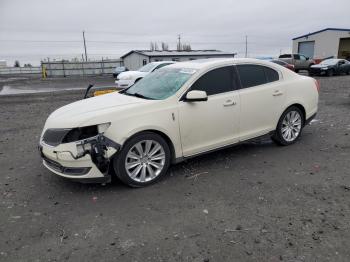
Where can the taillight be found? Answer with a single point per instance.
(317, 83)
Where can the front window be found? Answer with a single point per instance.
(161, 84)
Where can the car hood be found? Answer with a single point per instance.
(131, 75)
(320, 66)
(92, 111)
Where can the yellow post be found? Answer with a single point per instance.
(44, 73)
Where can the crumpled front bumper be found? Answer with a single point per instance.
(85, 161)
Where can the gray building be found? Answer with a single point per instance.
(329, 42)
(137, 58)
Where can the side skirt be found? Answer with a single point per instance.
(181, 159)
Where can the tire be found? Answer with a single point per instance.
(296, 70)
(330, 72)
(293, 116)
(309, 70)
(134, 165)
(348, 72)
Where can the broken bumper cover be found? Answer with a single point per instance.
(85, 161)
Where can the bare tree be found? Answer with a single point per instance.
(156, 46)
(151, 46)
(165, 46)
(186, 47)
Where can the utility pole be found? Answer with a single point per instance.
(179, 44)
(246, 46)
(85, 46)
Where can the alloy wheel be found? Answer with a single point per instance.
(291, 126)
(145, 161)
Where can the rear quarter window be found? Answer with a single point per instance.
(271, 74)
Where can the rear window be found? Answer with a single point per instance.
(254, 75)
(285, 56)
(251, 75)
(278, 62)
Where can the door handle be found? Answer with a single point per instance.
(277, 93)
(230, 102)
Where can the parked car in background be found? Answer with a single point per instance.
(331, 67)
(127, 79)
(299, 61)
(118, 70)
(283, 63)
(175, 113)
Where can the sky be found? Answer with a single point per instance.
(33, 30)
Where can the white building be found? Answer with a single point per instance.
(329, 42)
(3, 63)
(137, 58)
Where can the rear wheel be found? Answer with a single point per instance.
(143, 160)
(289, 126)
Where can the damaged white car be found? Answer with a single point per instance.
(175, 113)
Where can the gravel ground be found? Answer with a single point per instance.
(252, 202)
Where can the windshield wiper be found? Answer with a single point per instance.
(137, 95)
(142, 96)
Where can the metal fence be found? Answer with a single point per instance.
(63, 69)
(35, 71)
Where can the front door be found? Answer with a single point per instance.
(211, 124)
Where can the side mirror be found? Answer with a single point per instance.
(196, 96)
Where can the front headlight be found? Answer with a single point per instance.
(101, 128)
(56, 136)
(324, 68)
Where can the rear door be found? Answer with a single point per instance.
(214, 123)
(262, 97)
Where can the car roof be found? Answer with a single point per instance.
(162, 62)
(212, 62)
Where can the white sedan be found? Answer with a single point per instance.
(175, 113)
(128, 78)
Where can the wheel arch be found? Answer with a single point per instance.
(299, 106)
(161, 134)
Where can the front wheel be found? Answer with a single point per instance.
(289, 126)
(143, 160)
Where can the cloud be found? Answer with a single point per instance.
(33, 30)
